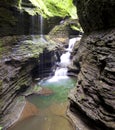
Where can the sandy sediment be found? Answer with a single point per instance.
(28, 110)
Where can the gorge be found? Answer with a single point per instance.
(27, 57)
(51, 100)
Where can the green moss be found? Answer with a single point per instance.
(51, 8)
(21, 98)
(1, 127)
(36, 88)
(66, 28)
(35, 48)
(77, 28)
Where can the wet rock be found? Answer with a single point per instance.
(60, 33)
(14, 21)
(94, 93)
(29, 110)
(96, 15)
(74, 67)
(19, 56)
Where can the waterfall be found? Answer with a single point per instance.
(72, 42)
(37, 23)
(41, 26)
(65, 59)
(61, 70)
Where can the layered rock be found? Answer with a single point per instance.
(19, 58)
(14, 21)
(60, 33)
(94, 95)
(96, 15)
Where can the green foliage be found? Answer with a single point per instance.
(51, 8)
(19, 3)
(77, 28)
(0, 127)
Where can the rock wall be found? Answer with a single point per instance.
(93, 98)
(14, 21)
(19, 57)
(96, 15)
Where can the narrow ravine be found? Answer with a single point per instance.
(51, 100)
(45, 84)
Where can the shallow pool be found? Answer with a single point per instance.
(52, 107)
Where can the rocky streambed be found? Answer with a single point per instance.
(47, 109)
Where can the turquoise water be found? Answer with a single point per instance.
(51, 108)
(60, 90)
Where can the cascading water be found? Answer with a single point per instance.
(37, 28)
(41, 26)
(52, 99)
(61, 70)
(72, 42)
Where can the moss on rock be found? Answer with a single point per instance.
(60, 33)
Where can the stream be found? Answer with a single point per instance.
(52, 107)
(52, 102)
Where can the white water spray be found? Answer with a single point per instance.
(41, 26)
(61, 71)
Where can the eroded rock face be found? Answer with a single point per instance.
(14, 21)
(96, 15)
(18, 58)
(94, 94)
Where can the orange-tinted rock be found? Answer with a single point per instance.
(45, 92)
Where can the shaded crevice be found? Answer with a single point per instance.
(102, 65)
(92, 124)
(105, 106)
(22, 89)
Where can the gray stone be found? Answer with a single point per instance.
(94, 95)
